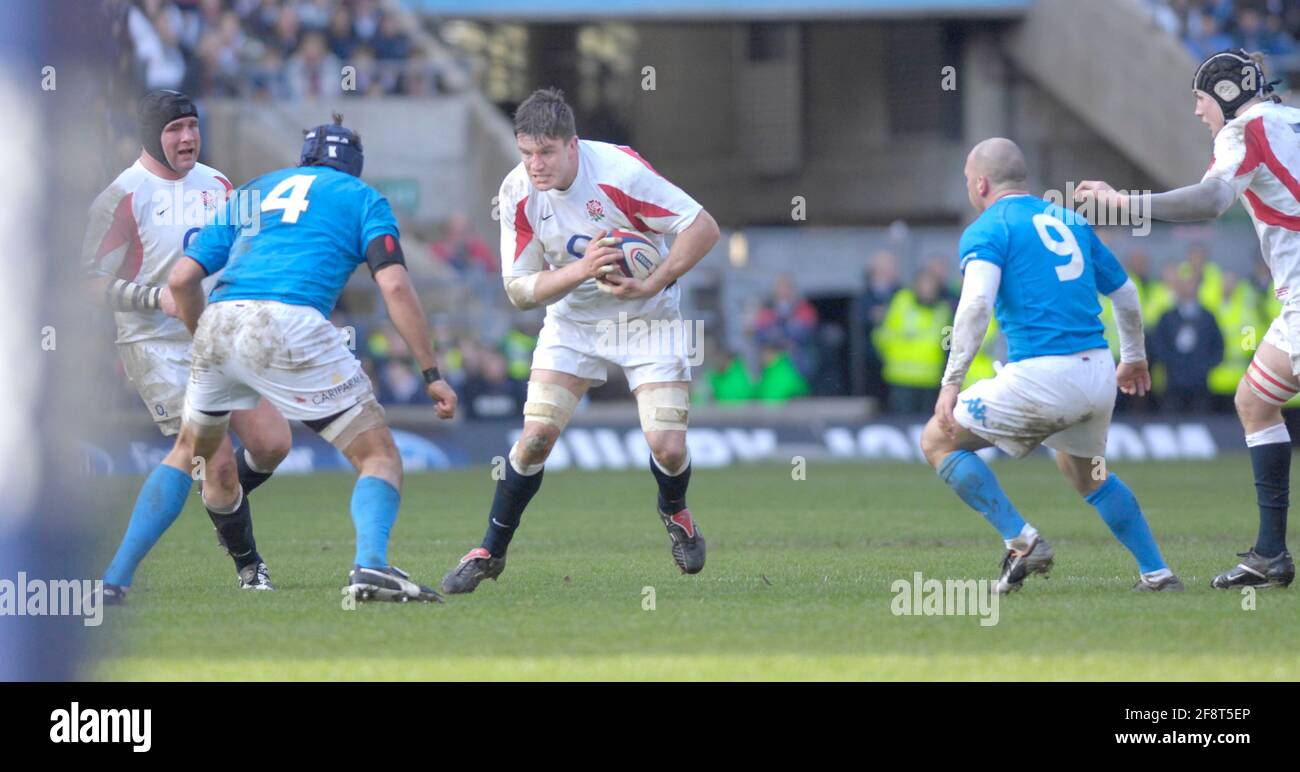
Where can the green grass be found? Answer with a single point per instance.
(797, 584)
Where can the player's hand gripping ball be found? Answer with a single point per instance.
(640, 257)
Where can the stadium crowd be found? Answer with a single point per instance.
(280, 49)
(1206, 26)
(1202, 326)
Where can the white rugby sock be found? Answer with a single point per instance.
(1022, 542)
(1272, 435)
(526, 471)
(252, 464)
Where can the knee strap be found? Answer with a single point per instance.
(549, 404)
(666, 408)
(206, 425)
(351, 423)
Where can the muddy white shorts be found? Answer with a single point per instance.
(289, 354)
(648, 350)
(1063, 402)
(159, 370)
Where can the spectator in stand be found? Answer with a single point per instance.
(313, 72)
(217, 69)
(1254, 33)
(910, 340)
(1137, 263)
(1188, 342)
(1241, 327)
(365, 19)
(463, 249)
(1207, 37)
(489, 393)
(157, 48)
(786, 322)
(314, 14)
(882, 283)
(728, 378)
(402, 385)
(286, 36)
(267, 78)
(368, 80)
(342, 37)
(390, 42)
(262, 18)
(940, 266)
(1291, 19)
(518, 345)
(1280, 31)
(1171, 16)
(780, 380)
(196, 19)
(419, 75)
(1205, 274)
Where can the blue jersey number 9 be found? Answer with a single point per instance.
(291, 196)
(1064, 245)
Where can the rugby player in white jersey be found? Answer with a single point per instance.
(556, 208)
(1256, 160)
(139, 227)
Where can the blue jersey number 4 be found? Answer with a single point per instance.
(290, 196)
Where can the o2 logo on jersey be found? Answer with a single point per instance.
(189, 234)
(573, 246)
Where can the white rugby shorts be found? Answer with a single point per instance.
(1063, 402)
(649, 351)
(289, 354)
(159, 370)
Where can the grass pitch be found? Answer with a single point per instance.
(797, 584)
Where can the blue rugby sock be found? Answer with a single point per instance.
(972, 480)
(161, 499)
(374, 510)
(1119, 508)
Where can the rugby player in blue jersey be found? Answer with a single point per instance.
(1038, 268)
(265, 333)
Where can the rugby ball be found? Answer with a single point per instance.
(640, 256)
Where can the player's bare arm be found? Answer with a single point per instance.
(546, 287)
(1206, 200)
(408, 317)
(979, 291)
(688, 249)
(186, 284)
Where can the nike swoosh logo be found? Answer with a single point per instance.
(160, 212)
(549, 216)
(499, 523)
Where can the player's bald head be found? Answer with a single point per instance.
(993, 166)
(1000, 161)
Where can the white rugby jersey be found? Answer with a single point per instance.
(1258, 154)
(615, 189)
(138, 229)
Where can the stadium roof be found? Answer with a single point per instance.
(749, 10)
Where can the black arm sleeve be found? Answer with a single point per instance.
(384, 250)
